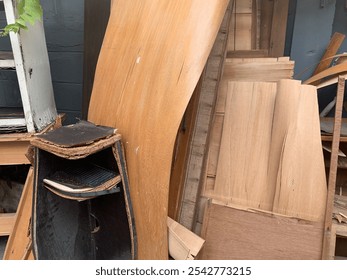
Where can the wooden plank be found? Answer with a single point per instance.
(265, 23)
(242, 235)
(18, 244)
(278, 28)
(6, 223)
(196, 160)
(247, 53)
(249, 115)
(300, 176)
(14, 152)
(334, 70)
(333, 169)
(143, 90)
(333, 47)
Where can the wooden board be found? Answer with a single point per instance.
(245, 145)
(237, 234)
(301, 187)
(150, 61)
(19, 243)
(6, 223)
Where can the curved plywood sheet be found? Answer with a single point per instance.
(151, 59)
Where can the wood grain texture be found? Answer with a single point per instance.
(151, 59)
(6, 223)
(334, 70)
(245, 145)
(236, 234)
(301, 188)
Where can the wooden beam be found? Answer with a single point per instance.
(333, 169)
(265, 23)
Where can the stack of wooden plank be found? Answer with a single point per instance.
(265, 174)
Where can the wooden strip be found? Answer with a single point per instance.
(142, 87)
(242, 235)
(6, 223)
(278, 28)
(266, 23)
(13, 152)
(334, 70)
(196, 160)
(331, 50)
(19, 241)
(300, 179)
(247, 53)
(333, 169)
(249, 113)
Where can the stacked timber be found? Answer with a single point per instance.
(265, 176)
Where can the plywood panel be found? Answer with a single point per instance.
(150, 61)
(236, 234)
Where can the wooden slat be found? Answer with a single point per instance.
(265, 23)
(241, 235)
(13, 152)
(278, 28)
(18, 244)
(334, 70)
(334, 45)
(333, 169)
(196, 164)
(6, 223)
(142, 86)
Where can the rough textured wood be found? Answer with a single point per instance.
(142, 86)
(333, 169)
(236, 234)
(18, 244)
(210, 82)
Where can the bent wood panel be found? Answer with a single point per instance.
(150, 61)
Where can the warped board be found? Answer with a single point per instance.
(150, 61)
(242, 165)
(242, 235)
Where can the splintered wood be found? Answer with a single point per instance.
(270, 150)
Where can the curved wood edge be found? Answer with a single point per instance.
(334, 70)
(151, 59)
